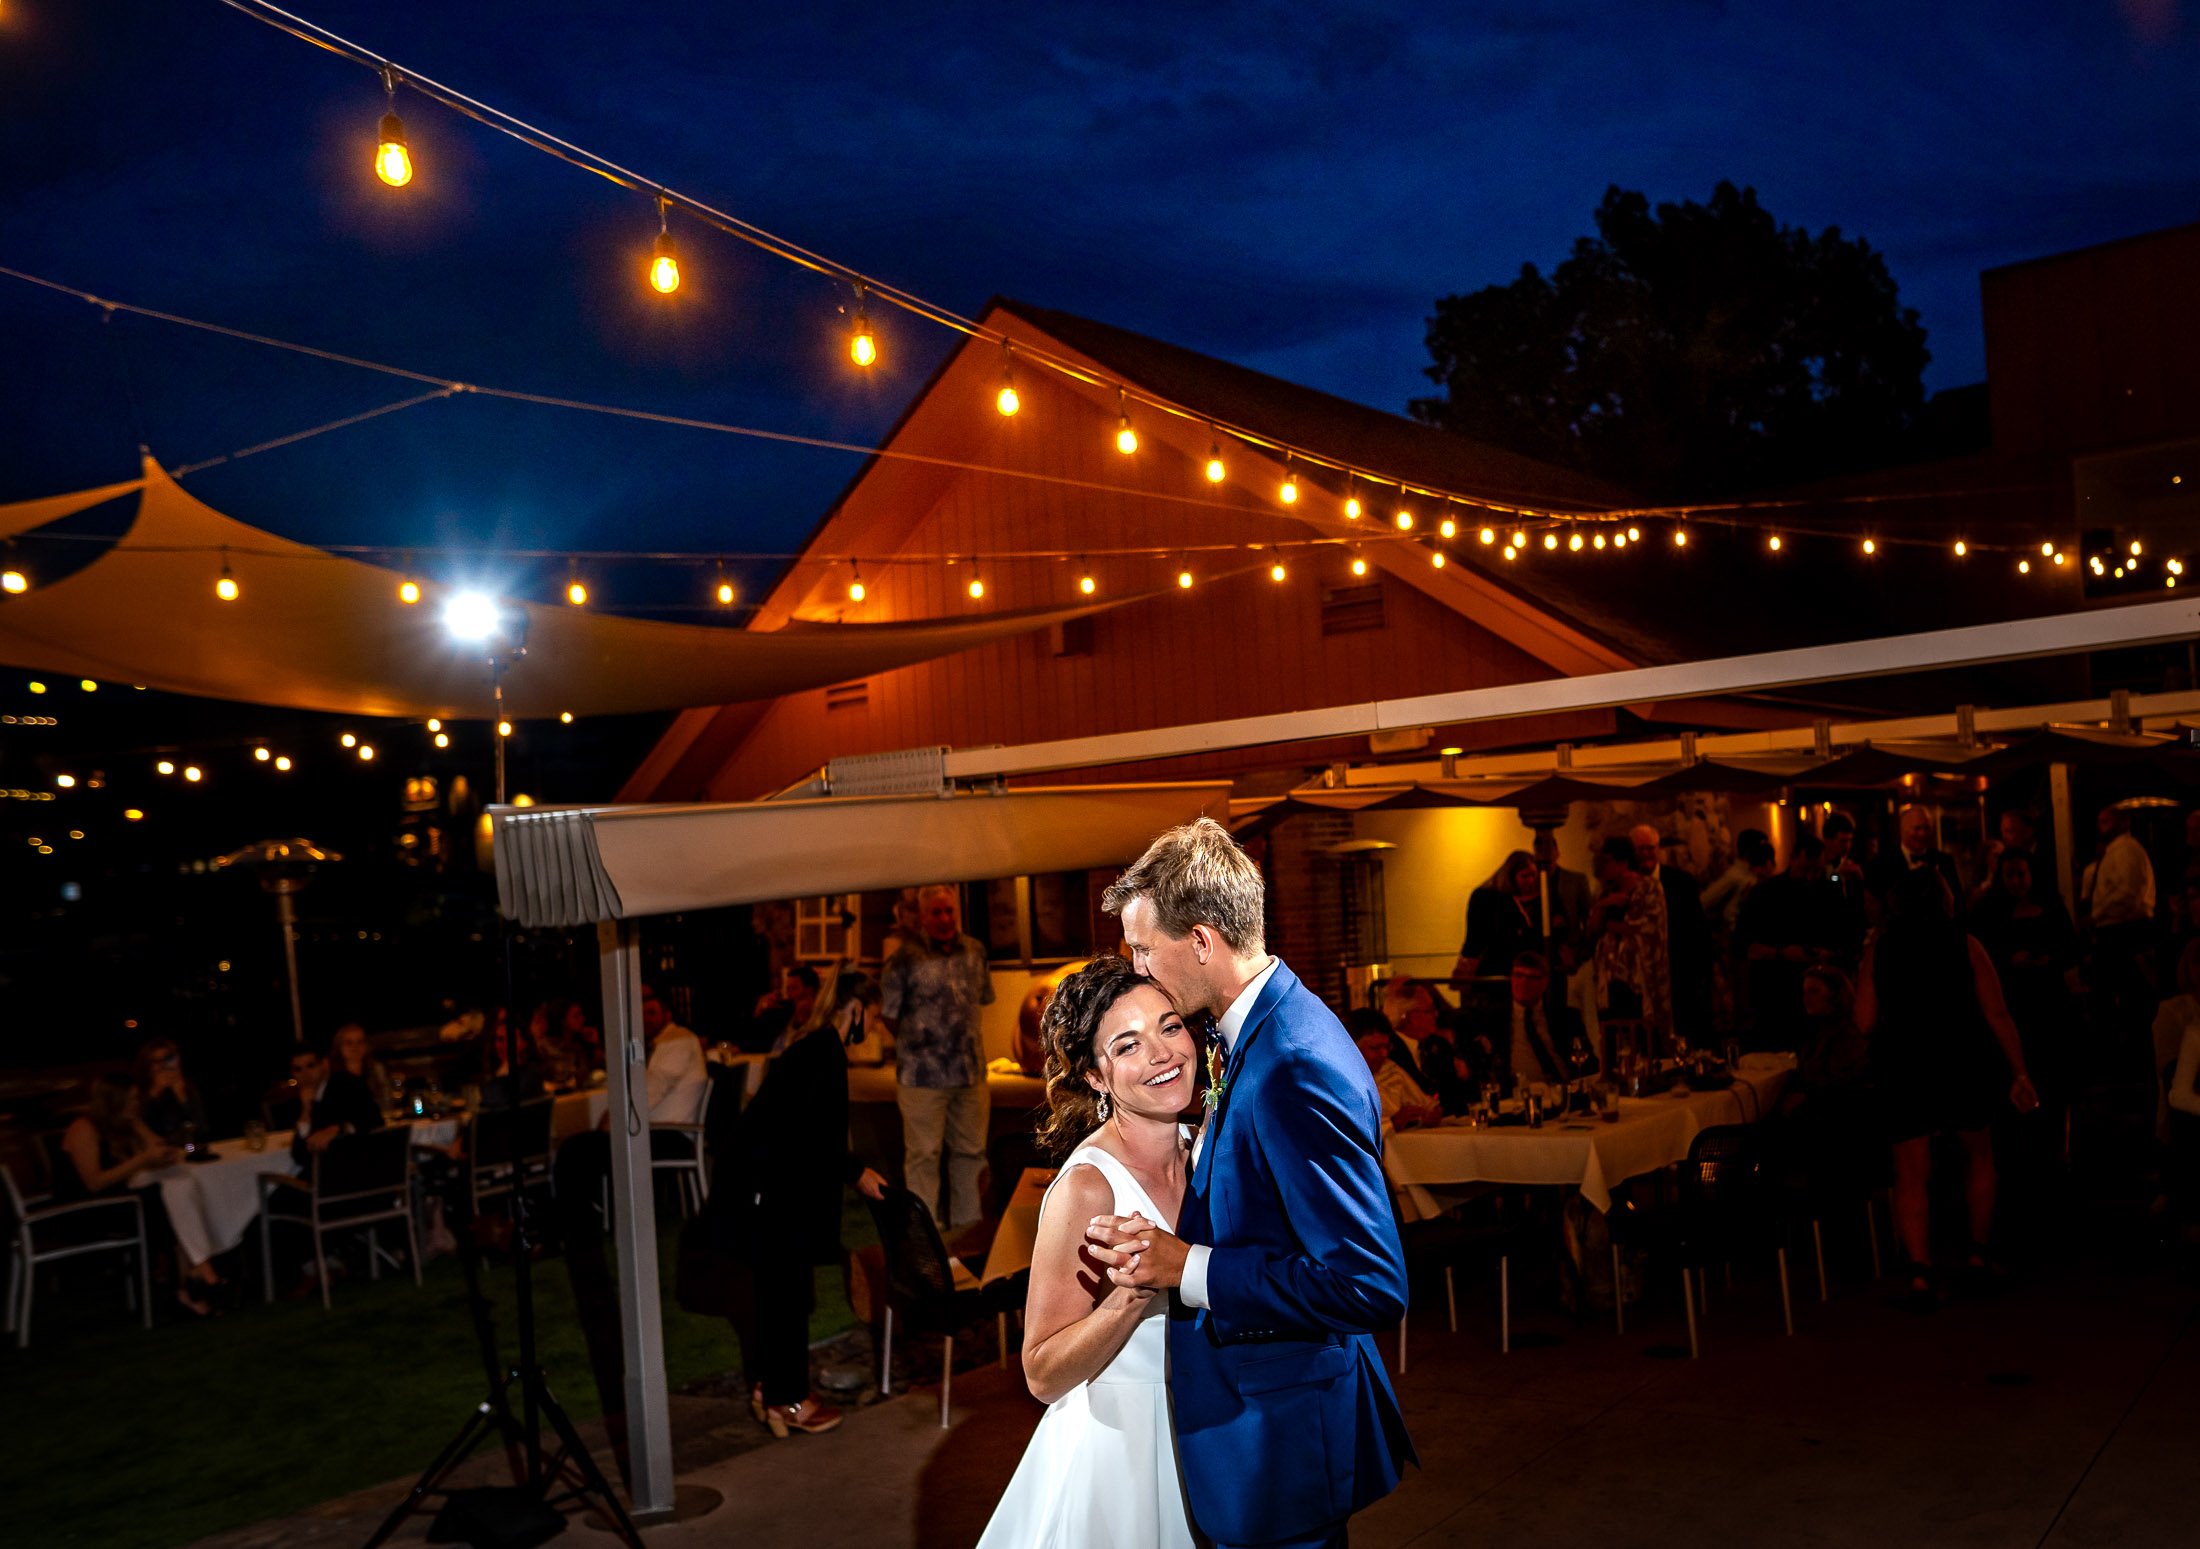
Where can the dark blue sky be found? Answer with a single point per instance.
(1285, 185)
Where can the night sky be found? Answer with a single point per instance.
(1287, 186)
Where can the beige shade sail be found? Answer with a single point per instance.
(576, 865)
(315, 631)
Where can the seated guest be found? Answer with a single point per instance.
(1411, 1007)
(562, 1055)
(107, 1151)
(576, 1031)
(169, 1106)
(1504, 917)
(1831, 1056)
(676, 1075)
(331, 1103)
(1447, 1073)
(1404, 1103)
(1529, 1039)
(350, 1052)
(780, 1012)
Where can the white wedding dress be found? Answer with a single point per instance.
(1101, 1470)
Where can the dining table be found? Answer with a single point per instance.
(1018, 1233)
(225, 1188)
(1581, 1151)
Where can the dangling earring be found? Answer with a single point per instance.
(1106, 1107)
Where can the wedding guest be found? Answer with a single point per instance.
(2174, 1019)
(1633, 958)
(1688, 934)
(1404, 1103)
(932, 990)
(1754, 860)
(1504, 917)
(107, 1150)
(676, 1074)
(2118, 898)
(777, 1209)
(1571, 893)
(780, 1011)
(1832, 1055)
(1411, 1008)
(1788, 922)
(561, 1056)
(1919, 849)
(169, 1106)
(1931, 1005)
(1530, 1039)
(2028, 934)
(331, 1103)
(578, 1032)
(351, 1053)
(1846, 876)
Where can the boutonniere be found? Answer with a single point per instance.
(1217, 1080)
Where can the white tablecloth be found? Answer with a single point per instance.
(224, 1193)
(1581, 1151)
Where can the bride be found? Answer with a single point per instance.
(1101, 1469)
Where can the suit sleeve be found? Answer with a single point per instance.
(1348, 1271)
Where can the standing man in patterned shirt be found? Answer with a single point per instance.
(934, 985)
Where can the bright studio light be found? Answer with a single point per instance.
(471, 616)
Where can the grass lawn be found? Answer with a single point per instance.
(126, 1439)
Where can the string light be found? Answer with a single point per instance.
(504, 728)
(664, 258)
(1359, 563)
(1352, 506)
(1450, 529)
(348, 740)
(1550, 540)
(862, 343)
(1680, 537)
(408, 591)
(724, 592)
(1519, 539)
(1511, 552)
(442, 739)
(392, 160)
(14, 582)
(1184, 580)
(1289, 494)
(1086, 584)
(1404, 520)
(165, 767)
(67, 782)
(1215, 470)
(2135, 550)
(1634, 535)
(1870, 547)
(261, 755)
(37, 687)
(1773, 543)
(1599, 540)
(1437, 559)
(1006, 400)
(225, 586)
(1574, 543)
(856, 591)
(133, 814)
(2047, 549)
(1619, 540)
(366, 752)
(2024, 567)
(565, 717)
(2061, 558)
(1962, 548)
(1276, 571)
(1126, 439)
(576, 590)
(88, 685)
(434, 724)
(976, 588)
(193, 773)
(1488, 536)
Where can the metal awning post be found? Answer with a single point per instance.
(2066, 836)
(634, 1223)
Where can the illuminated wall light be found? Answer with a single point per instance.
(193, 773)
(664, 258)
(165, 766)
(1276, 572)
(261, 755)
(442, 739)
(565, 717)
(348, 740)
(408, 591)
(504, 728)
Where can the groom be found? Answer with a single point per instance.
(1286, 1257)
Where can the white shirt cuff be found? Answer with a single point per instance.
(1192, 1289)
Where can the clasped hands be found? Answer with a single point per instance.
(1136, 1254)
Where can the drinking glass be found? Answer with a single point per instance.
(255, 1135)
(1608, 1102)
(1734, 1054)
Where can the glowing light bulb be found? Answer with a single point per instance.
(133, 814)
(976, 588)
(664, 265)
(2135, 550)
(1215, 470)
(1289, 494)
(89, 685)
(504, 728)
(1619, 540)
(1488, 535)
(1126, 439)
(366, 752)
(2061, 558)
(1359, 565)
(725, 594)
(576, 593)
(1184, 580)
(442, 739)
(165, 766)
(1405, 521)
(193, 773)
(348, 740)
(261, 755)
(226, 587)
(1353, 508)
(1574, 543)
(2047, 548)
(1680, 537)
(1519, 539)
(37, 687)
(66, 781)
(14, 582)
(1450, 528)
(856, 590)
(1773, 543)
(1087, 585)
(565, 717)
(1006, 400)
(282, 762)
(1437, 559)
(1276, 571)
(1511, 552)
(2024, 567)
(1962, 548)
(408, 591)
(1870, 547)
(1550, 540)
(862, 344)
(1634, 535)
(393, 163)
(1600, 540)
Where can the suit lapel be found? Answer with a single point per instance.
(1279, 984)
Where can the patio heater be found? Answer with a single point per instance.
(284, 867)
(1365, 917)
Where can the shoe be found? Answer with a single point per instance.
(812, 1417)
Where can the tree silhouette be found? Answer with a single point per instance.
(1687, 352)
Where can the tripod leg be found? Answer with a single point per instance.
(461, 1445)
(594, 1483)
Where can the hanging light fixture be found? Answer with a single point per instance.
(408, 591)
(225, 585)
(976, 588)
(1404, 520)
(1352, 506)
(664, 258)
(1085, 583)
(1359, 562)
(576, 590)
(862, 343)
(856, 591)
(1276, 572)
(1488, 535)
(1289, 494)
(14, 582)
(1215, 470)
(724, 592)
(1126, 439)
(1006, 400)
(392, 161)
(1962, 548)
(1680, 537)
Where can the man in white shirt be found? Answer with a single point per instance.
(676, 1074)
(2122, 885)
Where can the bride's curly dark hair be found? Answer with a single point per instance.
(1072, 1019)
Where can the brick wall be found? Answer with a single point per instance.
(1305, 899)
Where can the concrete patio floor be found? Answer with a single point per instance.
(2058, 1412)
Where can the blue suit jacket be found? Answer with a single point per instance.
(1284, 1418)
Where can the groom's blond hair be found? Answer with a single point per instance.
(1197, 875)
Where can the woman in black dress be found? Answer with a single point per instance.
(1929, 1001)
(778, 1198)
(1504, 919)
(2028, 933)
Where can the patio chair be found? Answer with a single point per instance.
(1454, 1241)
(690, 1162)
(1847, 1165)
(936, 1294)
(1728, 1205)
(508, 1149)
(48, 1233)
(358, 1183)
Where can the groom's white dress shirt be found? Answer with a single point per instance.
(1193, 1289)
